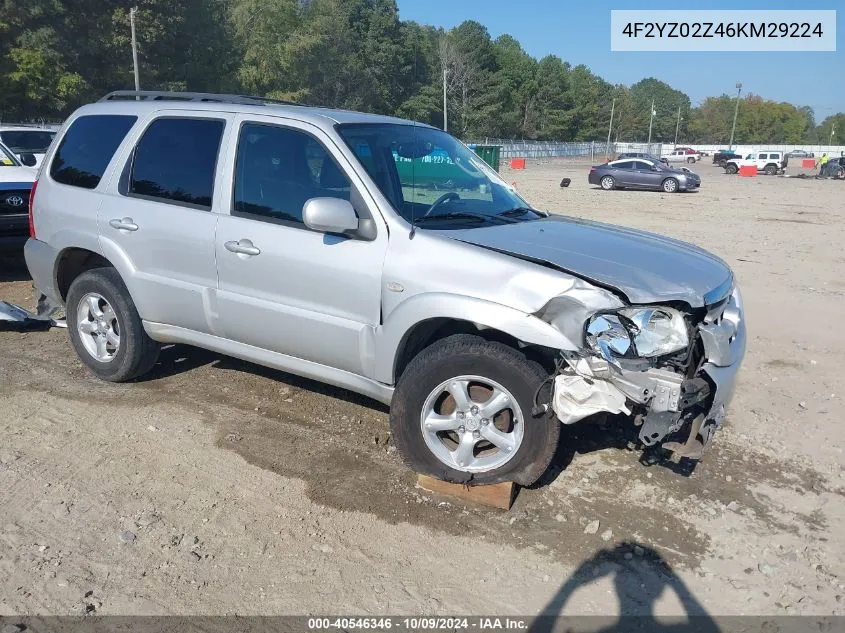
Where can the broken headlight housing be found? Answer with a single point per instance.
(643, 332)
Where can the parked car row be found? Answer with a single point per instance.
(16, 180)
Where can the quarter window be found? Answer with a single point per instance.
(279, 169)
(88, 147)
(175, 160)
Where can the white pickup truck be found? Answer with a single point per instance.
(768, 162)
(683, 156)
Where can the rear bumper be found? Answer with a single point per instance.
(41, 262)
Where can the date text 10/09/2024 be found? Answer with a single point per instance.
(420, 623)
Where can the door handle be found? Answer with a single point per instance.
(126, 224)
(242, 247)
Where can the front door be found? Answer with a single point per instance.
(646, 174)
(282, 286)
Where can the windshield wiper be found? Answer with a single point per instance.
(463, 215)
(518, 211)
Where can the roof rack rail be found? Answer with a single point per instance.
(208, 97)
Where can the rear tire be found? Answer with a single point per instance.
(690, 160)
(102, 317)
(607, 183)
(429, 426)
(771, 170)
(731, 168)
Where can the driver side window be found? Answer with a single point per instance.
(277, 170)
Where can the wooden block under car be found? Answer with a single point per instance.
(499, 495)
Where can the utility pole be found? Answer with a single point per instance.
(736, 112)
(445, 113)
(134, 47)
(650, 121)
(677, 126)
(832, 132)
(610, 128)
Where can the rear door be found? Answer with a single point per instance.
(623, 172)
(159, 216)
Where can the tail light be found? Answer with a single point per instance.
(592, 171)
(31, 207)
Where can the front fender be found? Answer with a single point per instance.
(524, 327)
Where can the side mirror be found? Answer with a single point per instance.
(329, 215)
(28, 159)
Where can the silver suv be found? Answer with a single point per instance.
(381, 256)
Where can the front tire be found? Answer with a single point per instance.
(607, 183)
(670, 185)
(105, 328)
(462, 413)
(731, 169)
(690, 160)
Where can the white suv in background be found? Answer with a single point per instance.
(768, 162)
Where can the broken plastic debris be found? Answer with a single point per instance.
(11, 313)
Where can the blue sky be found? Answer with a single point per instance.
(579, 32)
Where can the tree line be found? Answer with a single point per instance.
(356, 54)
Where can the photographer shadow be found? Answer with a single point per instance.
(640, 576)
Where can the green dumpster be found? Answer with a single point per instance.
(489, 154)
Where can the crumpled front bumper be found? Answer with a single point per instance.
(666, 404)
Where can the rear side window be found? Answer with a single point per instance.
(88, 147)
(628, 164)
(763, 156)
(175, 160)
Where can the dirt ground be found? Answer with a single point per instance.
(218, 487)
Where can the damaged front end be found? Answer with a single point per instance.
(672, 369)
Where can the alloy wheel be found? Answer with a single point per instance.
(98, 327)
(472, 424)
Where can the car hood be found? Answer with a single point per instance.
(645, 267)
(17, 175)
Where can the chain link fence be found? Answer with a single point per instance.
(598, 150)
(551, 149)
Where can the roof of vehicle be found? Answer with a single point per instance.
(24, 128)
(233, 103)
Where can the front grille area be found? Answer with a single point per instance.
(14, 201)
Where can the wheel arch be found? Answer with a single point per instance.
(72, 262)
(425, 319)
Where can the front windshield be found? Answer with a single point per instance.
(7, 159)
(431, 179)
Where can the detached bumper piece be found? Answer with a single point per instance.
(14, 316)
